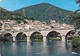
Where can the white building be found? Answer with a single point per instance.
(28, 27)
(16, 27)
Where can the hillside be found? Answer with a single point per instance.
(45, 12)
(5, 15)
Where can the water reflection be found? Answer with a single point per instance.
(44, 49)
(55, 48)
(29, 49)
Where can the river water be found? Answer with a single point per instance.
(55, 48)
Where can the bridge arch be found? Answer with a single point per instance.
(7, 37)
(53, 35)
(69, 35)
(36, 36)
(21, 36)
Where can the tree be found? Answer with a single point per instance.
(31, 18)
(25, 22)
(78, 2)
(75, 17)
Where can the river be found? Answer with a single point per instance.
(55, 48)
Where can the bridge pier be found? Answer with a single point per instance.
(14, 39)
(14, 36)
(44, 39)
(28, 39)
(63, 38)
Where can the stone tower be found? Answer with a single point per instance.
(24, 12)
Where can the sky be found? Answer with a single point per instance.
(12, 5)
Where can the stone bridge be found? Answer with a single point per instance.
(44, 33)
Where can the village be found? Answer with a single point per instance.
(30, 25)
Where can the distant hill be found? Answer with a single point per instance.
(45, 12)
(5, 15)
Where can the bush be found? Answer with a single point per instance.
(75, 42)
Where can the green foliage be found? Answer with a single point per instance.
(18, 21)
(7, 39)
(75, 41)
(22, 38)
(37, 38)
(54, 34)
(78, 2)
(75, 19)
(5, 15)
(70, 38)
(25, 22)
(31, 18)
